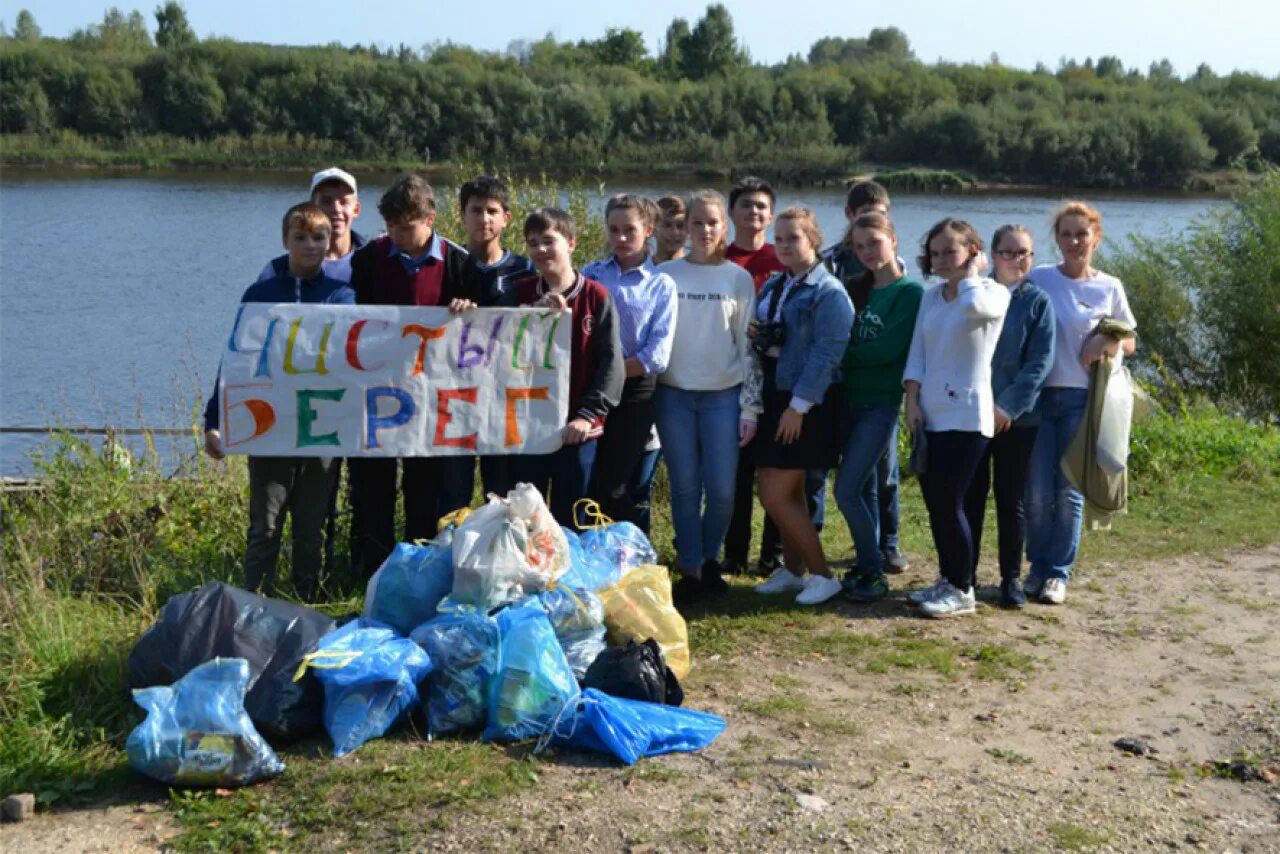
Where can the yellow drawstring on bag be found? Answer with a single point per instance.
(326, 659)
(587, 508)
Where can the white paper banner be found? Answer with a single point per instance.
(394, 381)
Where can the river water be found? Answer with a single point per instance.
(116, 292)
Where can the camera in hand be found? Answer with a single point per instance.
(768, 336)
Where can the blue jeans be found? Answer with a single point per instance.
(1055, 509)
(857, 488)
(887, 474)
(699, 432)
(564, 474)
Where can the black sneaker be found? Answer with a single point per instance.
(894, 561)
(712, 580)
(732, 567)
(765, 568)
(687, 591)
(867, 587)
(1011, 594)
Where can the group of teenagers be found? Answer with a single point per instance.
(747, 366)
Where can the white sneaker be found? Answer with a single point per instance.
(949, 601)
(1054, 591)
(818, 589)
(782, 580)
(924, 594)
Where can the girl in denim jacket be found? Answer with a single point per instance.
(803, 321)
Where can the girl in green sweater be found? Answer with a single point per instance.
(885, 301)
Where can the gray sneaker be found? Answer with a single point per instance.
(950, 601)
(1032, 586)
(895, 561)
(924, 594)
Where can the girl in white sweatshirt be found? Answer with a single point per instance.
(949, 398)
(709, 398)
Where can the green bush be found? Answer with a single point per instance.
(1208, 302)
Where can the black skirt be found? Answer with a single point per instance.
(818, 445)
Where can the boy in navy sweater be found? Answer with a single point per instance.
(410, 265)
(302, 486)
(596, 371)
(334, 191)
(488, 280)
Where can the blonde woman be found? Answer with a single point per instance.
(708, 400)
(1081, 296)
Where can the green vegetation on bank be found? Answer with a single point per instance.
(1208, 303)
(111, 94)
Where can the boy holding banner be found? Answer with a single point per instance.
(596, 371)
(302, 486)
(488, 281)
(410, 265)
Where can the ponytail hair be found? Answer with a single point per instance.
(874, 221)
(710, 198)
(642, 205)
(1075, 207)
(957, 226)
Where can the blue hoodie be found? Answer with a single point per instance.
(286, 288)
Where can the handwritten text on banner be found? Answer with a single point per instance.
(394, 381)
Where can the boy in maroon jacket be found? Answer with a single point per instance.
(596, 371)
(410, 265)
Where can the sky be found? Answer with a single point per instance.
(1226, 34)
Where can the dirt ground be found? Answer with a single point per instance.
(830, 748)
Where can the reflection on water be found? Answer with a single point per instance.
(116, 291)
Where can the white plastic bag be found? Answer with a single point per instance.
(507, 549)
(547, 550)
(1116, 420)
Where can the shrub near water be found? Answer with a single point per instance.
(1208, 302)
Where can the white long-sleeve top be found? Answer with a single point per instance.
(710, 350)
(950, 355)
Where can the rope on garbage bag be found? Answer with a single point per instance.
(326, 659)
(550, 733)
(590, 511)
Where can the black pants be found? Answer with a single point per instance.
(1010, 453)
(374, 504)
(302, 487)
(950, 468)
(621, 449)
(737, 542)
(458, 480)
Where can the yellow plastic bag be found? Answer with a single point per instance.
(639, 607)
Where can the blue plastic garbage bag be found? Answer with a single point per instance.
(463, 647)
(631, 729)
(577, 616)
(409, 585)
(197, 732)
(370, 676)
(587, 570)
(620, 547)
(534, 683)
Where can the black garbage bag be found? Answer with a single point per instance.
(636, 671)
(219, 620)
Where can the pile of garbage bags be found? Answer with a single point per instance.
(507, 625)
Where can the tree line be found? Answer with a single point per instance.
(611, 103)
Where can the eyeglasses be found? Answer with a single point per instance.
(1015, 255)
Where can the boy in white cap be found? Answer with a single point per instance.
(334, 190)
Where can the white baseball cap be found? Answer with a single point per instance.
(333, 173)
